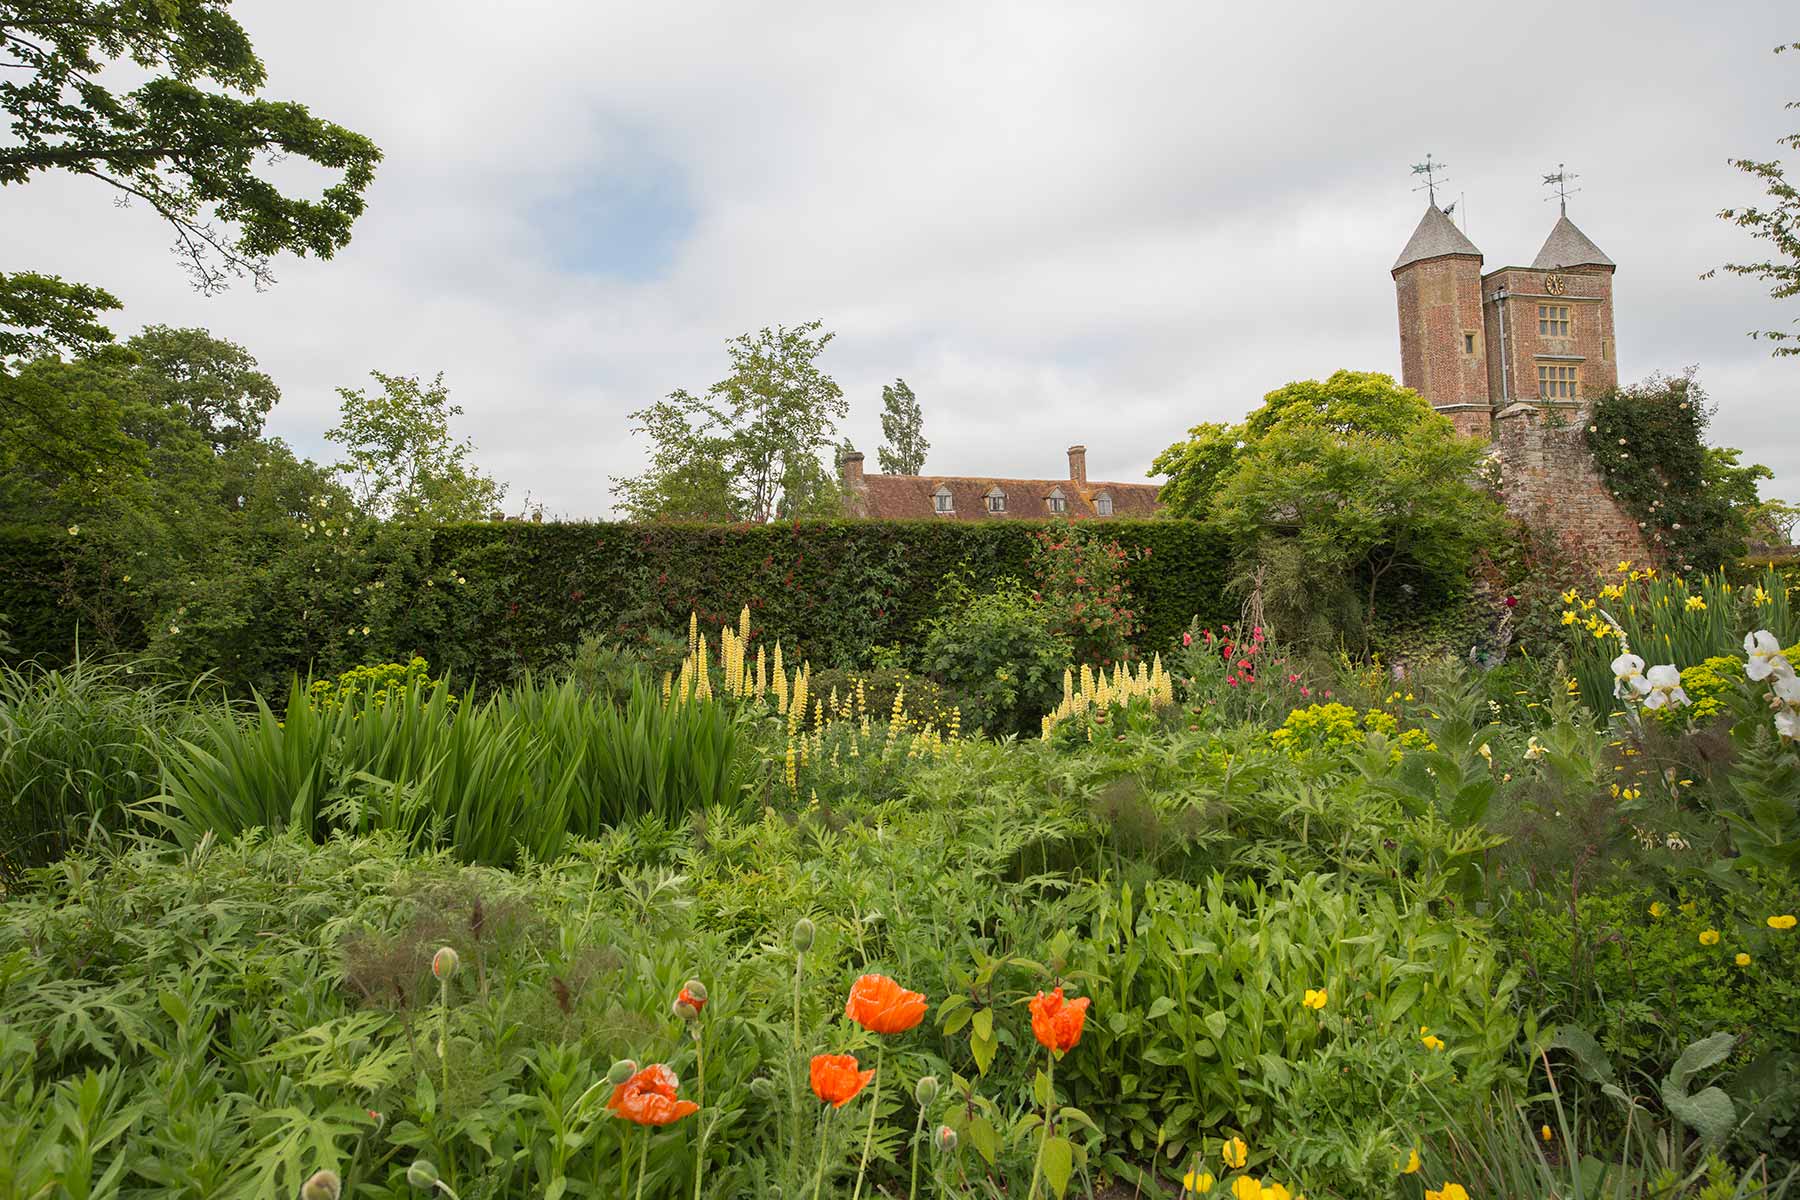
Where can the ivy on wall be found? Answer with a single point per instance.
(1649, 442)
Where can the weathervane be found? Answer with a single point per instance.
(1561, 181)
(1429, 170)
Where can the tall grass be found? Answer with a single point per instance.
(494, 781)
(78, 748)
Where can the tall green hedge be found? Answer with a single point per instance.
(485, 600)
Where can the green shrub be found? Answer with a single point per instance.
(998, 657)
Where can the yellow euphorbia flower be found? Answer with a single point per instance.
(1314, 999)
(1709, 937)
(1234, 1152)
(1198, 1182)
(1785, 921)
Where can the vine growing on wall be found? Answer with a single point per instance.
(1649, 442)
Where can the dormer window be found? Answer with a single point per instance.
(942, 501)
(1056, 502)
(996, 500)
(1103, 504)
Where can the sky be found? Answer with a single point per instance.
(1094, 223)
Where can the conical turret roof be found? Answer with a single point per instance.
(1567, 246)
(1436, 237)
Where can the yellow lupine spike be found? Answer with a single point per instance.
(744, 625)
(693, 631)
(1068, 684)
(762, 673)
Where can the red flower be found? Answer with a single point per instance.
(688, 997)
(1187, 639)
(835, 1078)
(1055, 1023)
(880, 1005)
(648, 1098)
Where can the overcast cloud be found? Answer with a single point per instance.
(1098, 223)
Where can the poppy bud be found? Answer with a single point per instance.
(622, 1070)
(763, 1088)
(324, 1185)
(422, 1175)
(945, 1139)
(803, 935)
(695, 991)
(926, 1090)
(444, 963)
(684, 1010)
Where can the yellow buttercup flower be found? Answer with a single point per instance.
(1314, 999)
(1412, 1162)
(1234, 1152)
(1544, 1132)
(1709, 937)
(1785, 921)
(1198, 1182)
(1742, 959)
(1247, 1187)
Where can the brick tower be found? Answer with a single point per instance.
(1516, 355)
(1443, 344)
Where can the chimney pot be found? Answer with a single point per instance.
(1078, 464)
(851, 469)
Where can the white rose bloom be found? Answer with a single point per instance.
(1665, 687)
(1765, 656)
(1628, 671)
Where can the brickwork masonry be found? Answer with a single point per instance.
(1548, 478)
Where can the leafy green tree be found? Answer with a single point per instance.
(45, 314)
(1333, 490)
(902, 425)
(1364, 509)
(400, 459)
(214, 385)
(192, 141)
(687, 479)
(759, 432)
(1363, 403)
(1779, 225)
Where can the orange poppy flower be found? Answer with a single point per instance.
(835, 1078)
(687, 997)
(648, 1098)
(880, 1005)
(1055, 1023)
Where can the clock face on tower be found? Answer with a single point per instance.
(1554, 285)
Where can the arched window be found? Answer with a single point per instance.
(1103, 504)
(1056, 502)
(942, 501)
(996, 500)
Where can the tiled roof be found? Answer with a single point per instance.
(898, 497)
(1436, 236)
(1567, 246)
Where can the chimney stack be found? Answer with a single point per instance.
(850, 469)
(1078, 464)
